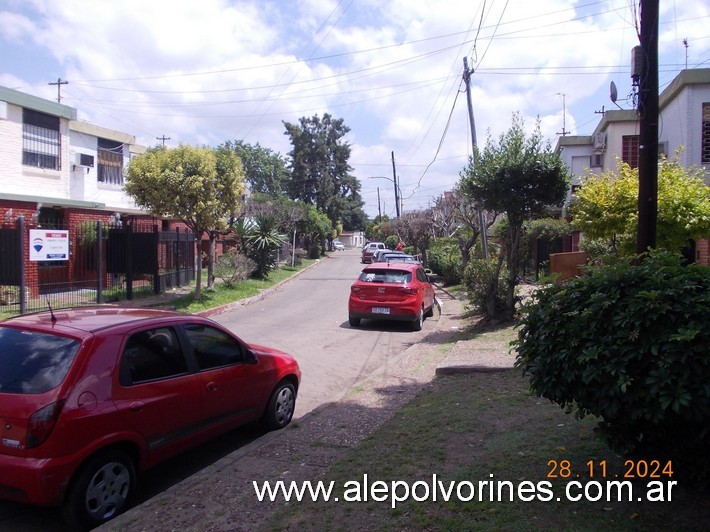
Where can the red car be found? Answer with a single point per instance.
(392, 291)
(91, 396)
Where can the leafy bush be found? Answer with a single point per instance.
(444, 257)
(631, 345)
(479, 278)
(232, 267)
(391, 241)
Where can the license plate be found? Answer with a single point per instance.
(380, 310)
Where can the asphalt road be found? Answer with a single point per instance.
(307, 317)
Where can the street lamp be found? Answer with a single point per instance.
(397, 194)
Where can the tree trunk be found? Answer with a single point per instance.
(513, 260)
(492, 293)
(211, 259)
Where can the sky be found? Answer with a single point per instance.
(202, 73)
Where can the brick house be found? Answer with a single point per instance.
(60, 172)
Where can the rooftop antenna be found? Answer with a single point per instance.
(685, 43)
(564, 114)
(49, 306)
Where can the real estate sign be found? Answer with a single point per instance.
(49, 244)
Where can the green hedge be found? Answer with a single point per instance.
(631, 345)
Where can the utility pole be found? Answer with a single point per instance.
(481, 216)
(379, 209)
(163, 139)
(59, 84)
(396, 193)
(648, 129)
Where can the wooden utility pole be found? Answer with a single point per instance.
(59, 84)
(163, 139)
(481, 216)
(648, 129)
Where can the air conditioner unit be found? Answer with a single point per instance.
(599, 141)
(84, 159)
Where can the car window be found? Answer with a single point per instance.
(150, 355)
(213, 348)
(33, 362)
(385, 276)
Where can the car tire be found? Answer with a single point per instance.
(100, 490)
(430, 312)
(354, 322)
(281, 405)
(419, 322)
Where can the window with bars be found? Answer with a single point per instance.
(630, 150)
(41, 141)
(705, 156)
(110, 167)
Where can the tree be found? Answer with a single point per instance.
(320, 172)
(202, 187)
(520, 176)
(265, 170)
(606, 207)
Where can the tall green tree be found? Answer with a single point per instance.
(606, 207)
(265, 170)
(200, 186)
(320, 172)
(520, 176)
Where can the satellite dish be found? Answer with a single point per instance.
(612, 92)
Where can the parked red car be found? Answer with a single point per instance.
(91, 396)
(391, 291)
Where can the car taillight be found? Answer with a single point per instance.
(408, 290)
(355, 288)
(41, 424)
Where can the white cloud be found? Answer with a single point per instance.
(209, 71)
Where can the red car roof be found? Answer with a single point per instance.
(88, 319)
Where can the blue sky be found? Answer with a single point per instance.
(216, 70)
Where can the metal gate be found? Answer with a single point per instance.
(88, 263)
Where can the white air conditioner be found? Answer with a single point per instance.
(599, 141)
(84, 159)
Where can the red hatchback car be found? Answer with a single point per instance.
(398, 291)
(90, 396)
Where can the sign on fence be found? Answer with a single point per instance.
(49, 244)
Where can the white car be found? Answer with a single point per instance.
(338, 245)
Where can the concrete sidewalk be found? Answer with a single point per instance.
(222, 496)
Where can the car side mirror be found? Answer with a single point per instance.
(250, 357)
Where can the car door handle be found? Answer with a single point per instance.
(211, 386)
(137, 406)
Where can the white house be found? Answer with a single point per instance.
(49, 158)
(684, 122)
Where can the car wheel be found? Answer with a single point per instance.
(280, 409)
(430, 312)
(419, 322)
(100, 490)
(354, 322)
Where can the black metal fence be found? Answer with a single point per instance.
(89, 263)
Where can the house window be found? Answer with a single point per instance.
(630, 150)
(110, 155)
(40, 140)
(705, 157)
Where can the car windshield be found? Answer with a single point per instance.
(386, 276)
(33, 362)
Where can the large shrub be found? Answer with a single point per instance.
(631, 345)
(444, 257)
(486, 286)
